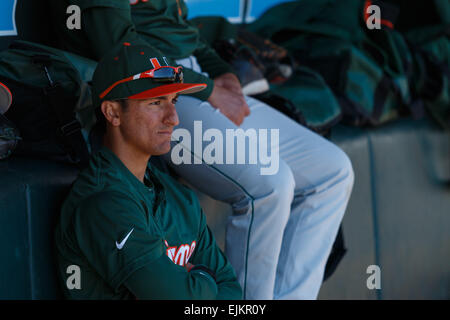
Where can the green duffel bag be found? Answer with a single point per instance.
(369, 71)
(309, 94)
(367, 93)
(47, 94)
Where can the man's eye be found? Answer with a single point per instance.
(174, 101)
(155, 103)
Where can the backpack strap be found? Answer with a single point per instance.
(416, 107)
(380, 95)
(431, 71)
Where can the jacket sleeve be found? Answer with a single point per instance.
(210, 255)
(164, 280)
(210, 61)
(108, 26)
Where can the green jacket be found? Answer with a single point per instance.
(113, 226)
(160, 23)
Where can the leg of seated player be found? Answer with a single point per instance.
(261, 203)
(323, 178)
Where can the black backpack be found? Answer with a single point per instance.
(426, 26)
(46, 88)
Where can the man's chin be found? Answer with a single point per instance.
(160, 153)
(162, 150)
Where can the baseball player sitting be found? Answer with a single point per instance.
(283, 225)
(131, 230)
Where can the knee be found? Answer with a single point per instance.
(331, 168)
(346, 167)
(278, 188)
(342, 167)
(283, 182)
(267, 190)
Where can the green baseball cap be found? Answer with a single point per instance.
(137, 71)
(5, 98)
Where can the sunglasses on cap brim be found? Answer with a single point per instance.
(160, 74)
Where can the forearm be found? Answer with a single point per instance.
(228, 287)
(210, 255)
(164, 280)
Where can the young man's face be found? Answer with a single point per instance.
(147, 125)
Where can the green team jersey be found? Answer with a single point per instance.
(161, 24)
(112, 225)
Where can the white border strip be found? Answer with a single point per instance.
(11, 32)
(240, 18)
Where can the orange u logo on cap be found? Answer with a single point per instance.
(165, 73)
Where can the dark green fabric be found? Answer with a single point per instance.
(306, 89)
(426, 26)
(213, 28)
(432, 66)
(439, 106)
(46, 88)
(161, 217)
(159, 23)
(92, 40)
(163, 24)
(153, 282)
(337, 19)
(17, 64)
(310, 94)
(368, 70)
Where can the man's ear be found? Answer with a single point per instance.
(111, 111)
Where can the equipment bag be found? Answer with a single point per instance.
(297, 91)
(426, 26)
(371, 84)
(46, 88)
(369, 71)
(310, 101)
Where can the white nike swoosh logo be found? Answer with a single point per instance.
(121, 244)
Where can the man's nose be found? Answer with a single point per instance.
(171, 117)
